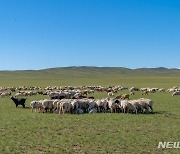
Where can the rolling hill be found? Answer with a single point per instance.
(86, 71)
(85, 75)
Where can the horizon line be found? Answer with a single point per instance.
(89, 67)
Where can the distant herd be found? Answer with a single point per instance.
(78, 100)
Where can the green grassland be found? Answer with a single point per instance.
(77, 76)
(22, 131)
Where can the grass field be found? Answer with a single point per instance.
(22, 131)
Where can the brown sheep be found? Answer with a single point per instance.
(118, 97)
(125, 96)
(132, 93)
(145, 92)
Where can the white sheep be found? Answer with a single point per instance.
(91, 104)
(102, 105)
(47, 105)
(112, 104)
(146, 104)
(65, 106)
(110, 94)
(36, 104)
(126, 106)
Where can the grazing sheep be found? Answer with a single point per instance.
(75, 99)
(40, 92)
(4, 94)
(47, 105)
(55, 102)
(125, 96)
(136, 104)
(83, 104)
(112, 105)
(143, 89)
(65, 107)
(92, 104)
(118, 97)
(133, 89)
(75, 105)
(110, 94)
(36, 105)
(145, 92)
(146, 104)
(171, 90)
(19, 94)
(126, 106)
(85, 92)
(161, 90)
(132, 93)
(152, 90)
(102, 105)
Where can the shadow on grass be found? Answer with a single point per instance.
(160, 112)
(20, 107)
(27, 107)
(164, 113)
(167, 114)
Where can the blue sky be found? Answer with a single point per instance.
(36, 34)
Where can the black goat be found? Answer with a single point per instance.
(19, 101)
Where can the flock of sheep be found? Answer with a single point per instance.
(79, 90)
(68, 99)
(85, 105)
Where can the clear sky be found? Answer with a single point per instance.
(36, 34)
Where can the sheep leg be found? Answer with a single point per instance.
(136, 110)
(151, 109)
(99, 109)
